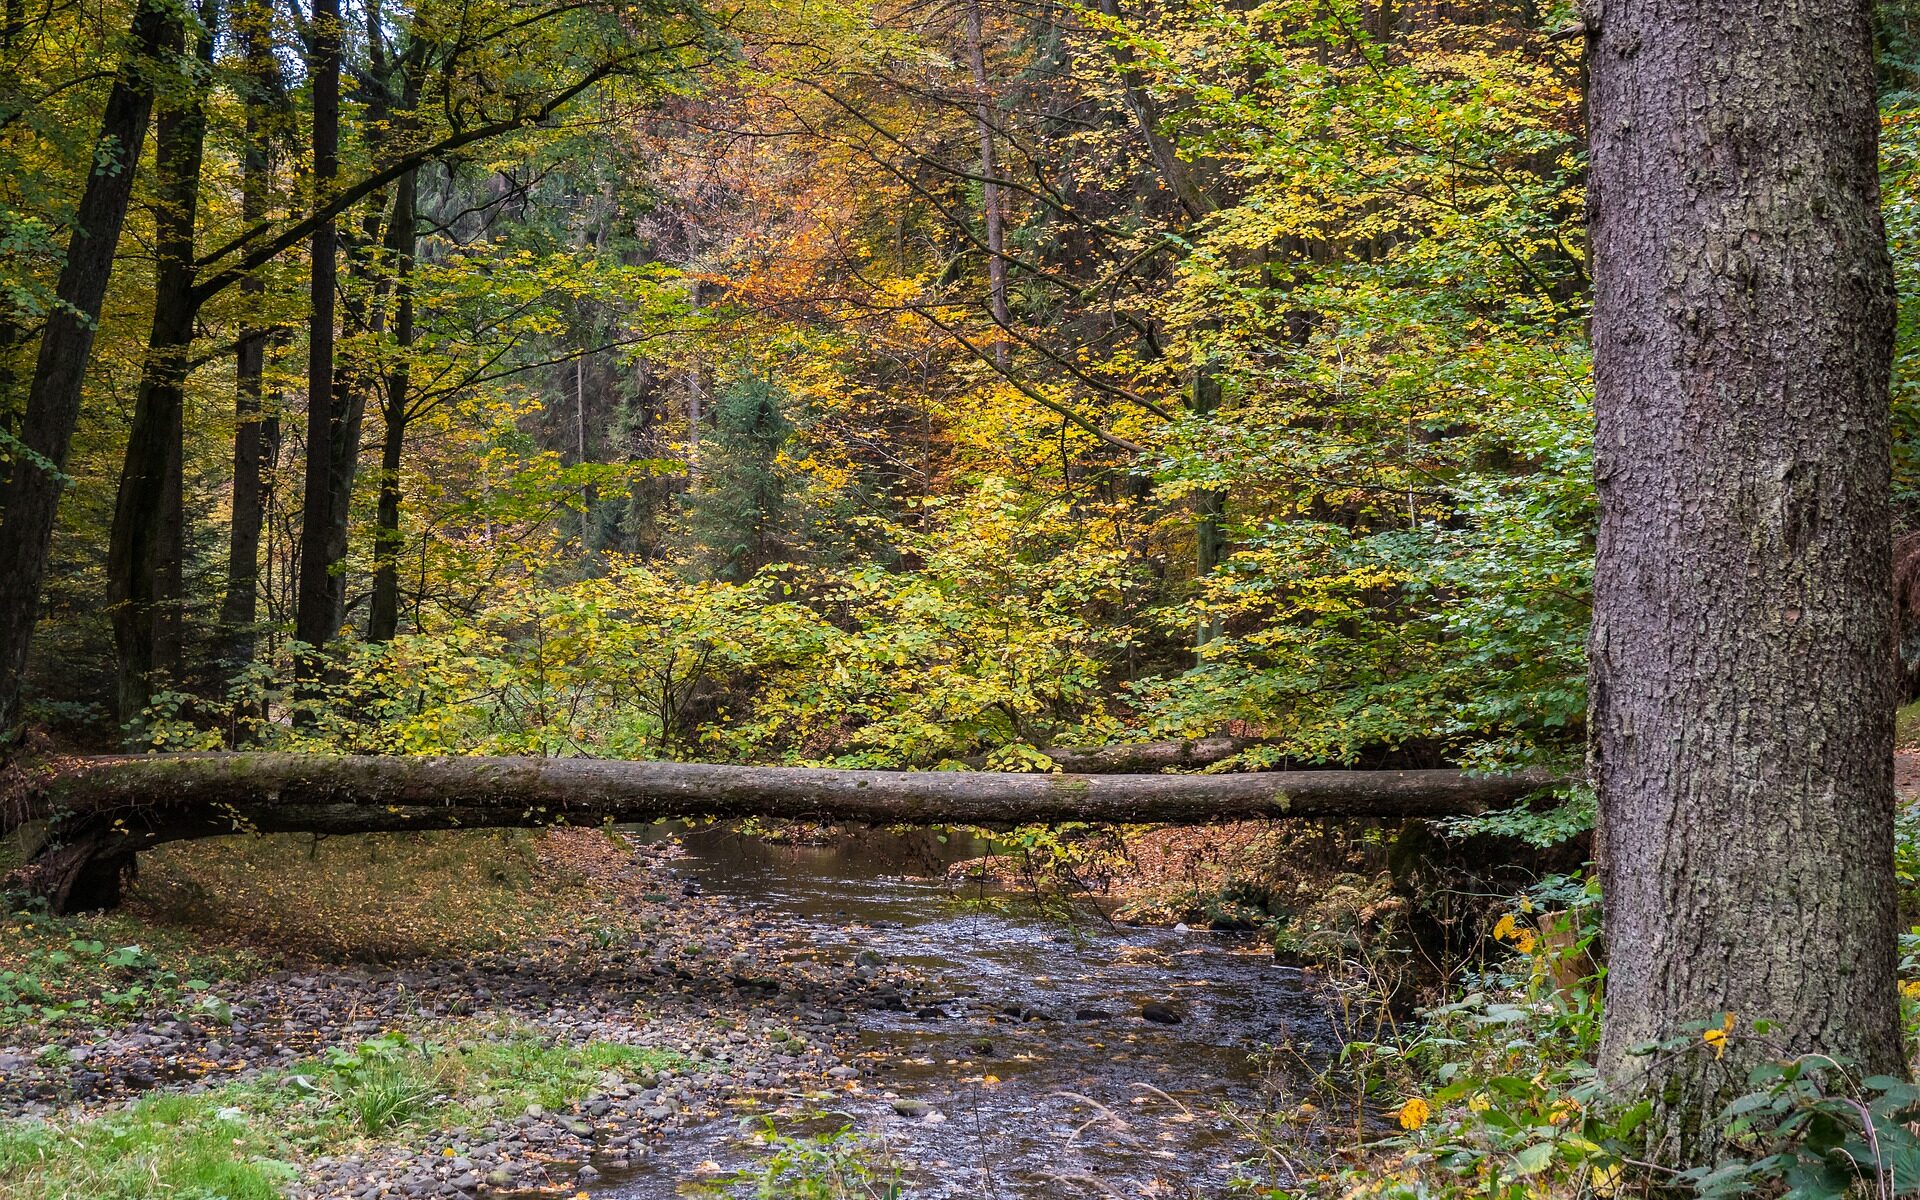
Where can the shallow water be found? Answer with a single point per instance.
(1026, 1038)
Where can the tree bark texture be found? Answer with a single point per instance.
(32, 493)
(1742, 648)
(103, 811)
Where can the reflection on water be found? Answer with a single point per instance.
(1027, 1039)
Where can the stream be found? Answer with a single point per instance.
(1024, 1059)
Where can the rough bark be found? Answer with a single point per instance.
(105, 810)
(1742, 636)
(146, 539)
(32, 494)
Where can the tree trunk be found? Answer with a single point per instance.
(995, 220)
(255, 434)
(383, 619)
(33, 488)
(108, 809)
(316, 614)
(1209, 505)
(1742, 638)
(145, 542)
(1176, 171)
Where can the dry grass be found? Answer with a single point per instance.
(386, 897)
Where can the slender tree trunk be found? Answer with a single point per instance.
(255, 434)
(316, 614)
(145, 542)
(32, 494)
(383, 619)
(696, 398)
(990, 186)
(1210, 505)
(580, 447)
(1742, 677)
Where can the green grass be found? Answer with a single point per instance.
(523, 1069)
(237, 1142)
(193, 1147)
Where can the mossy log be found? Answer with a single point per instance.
(100, 812)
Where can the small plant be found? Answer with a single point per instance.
(384, 1082)
(841, 1165)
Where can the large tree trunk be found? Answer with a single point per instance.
(146, 540)
(103, 811)
(1742, 637)
(33, 488)
(316, 609)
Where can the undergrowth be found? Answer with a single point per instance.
(1493, 1095)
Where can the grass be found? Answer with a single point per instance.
(194, 1147)
(239, 1141)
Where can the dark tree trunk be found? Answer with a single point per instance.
(32, 494)
(256, 435)
(146, 540)
(110, 809)
(383, 619)
(316, 609)
(1742, 640)
(1179, 175)
(1209, 505)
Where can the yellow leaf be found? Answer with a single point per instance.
(1717, 1038)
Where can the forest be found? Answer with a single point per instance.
(937, 598)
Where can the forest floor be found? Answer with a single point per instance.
(502, 1013)
(555, 994)
(488, 1013)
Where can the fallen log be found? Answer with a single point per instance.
(100, 812)
(1126, 758)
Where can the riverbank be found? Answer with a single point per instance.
(544, 1052)
(480, 1014)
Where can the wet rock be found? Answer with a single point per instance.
(1161, 1014)
(1093, 1014)
(911, 1108)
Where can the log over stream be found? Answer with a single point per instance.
(95, 814)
